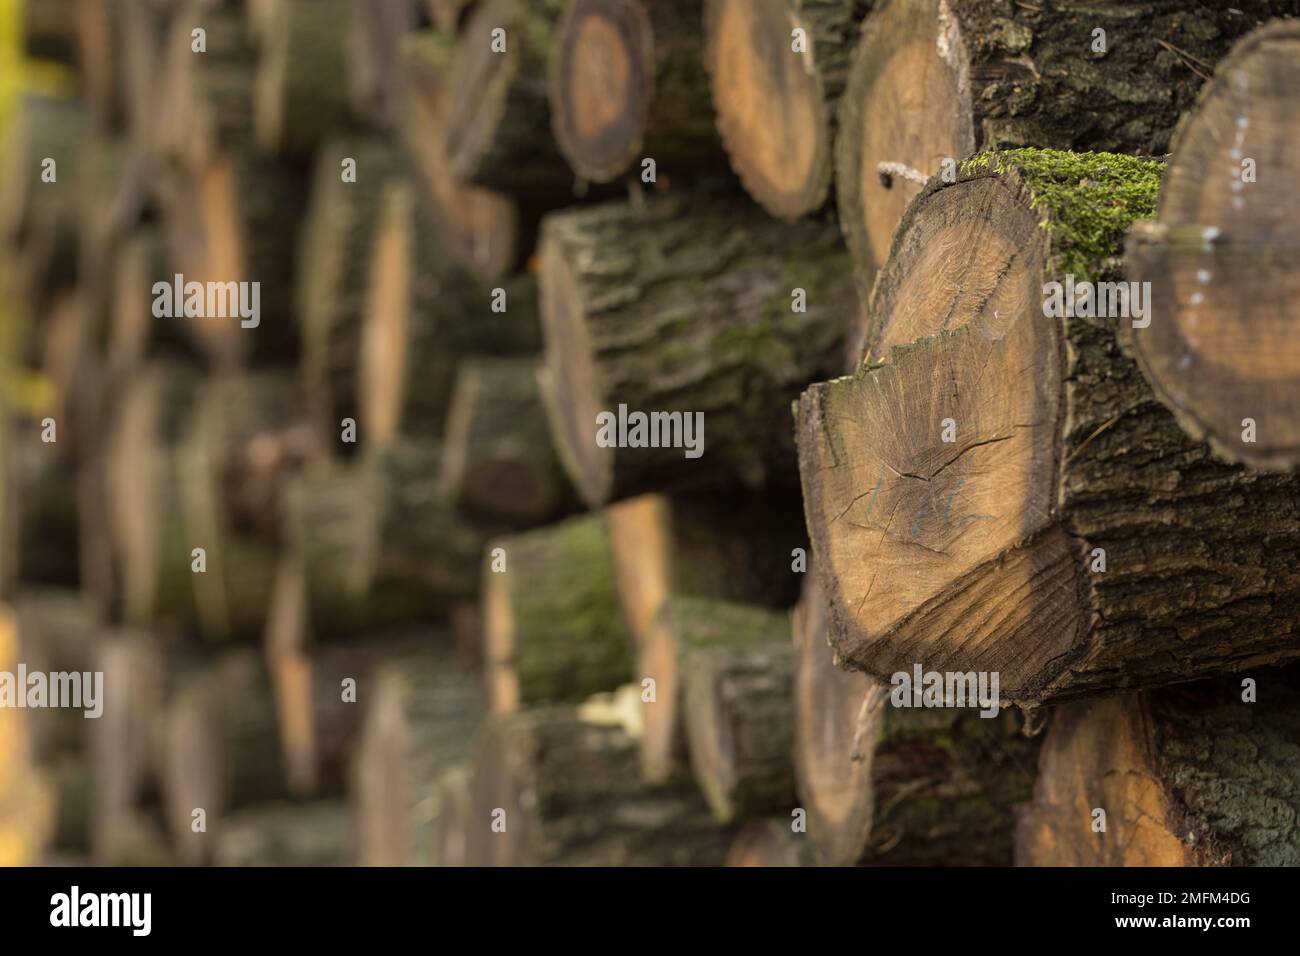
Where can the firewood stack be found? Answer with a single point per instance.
(398, 415)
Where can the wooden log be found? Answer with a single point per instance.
(376, 69)
(767, 843)
(684, 628)
(27, 796)
(421, 317)
(498, 459)
(123, 749)
(133, 335)
(452, 816)
(302, 89)
(833, 756)
(568, 794)
(336, 247)
(921, 539)
(498, 130)
(287, 834)
(934, 81)
(231, 225)
(244, 437)
(143, 488)
(144, 31)
(735, 705)
(552, 627)
(737, 547)
(1221, 259)
(687, 308)
(628, 82)
(1184, 776)
(218, 750)
(56, 634)
(480, 230)
(775, 91)
(419, 722)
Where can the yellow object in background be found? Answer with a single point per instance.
(26, 796)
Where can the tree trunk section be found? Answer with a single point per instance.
(553, 629)
(933, 81)
(1186, 776)
(1017, 452)
(1214, 351)
(686, 309)
(568, 794)
(498, 459)
(775, 92)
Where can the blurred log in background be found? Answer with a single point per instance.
(366, 588)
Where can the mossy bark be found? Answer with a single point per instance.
(554, 630)
(687, 307)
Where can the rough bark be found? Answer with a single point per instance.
(420, 722)
(739, 726)
(775, 93)
(498, 459)
(498, 131)
(1221, 260)
(1060, 462)
(553, 629)
(1186, 776)
(936, 80)
(628, 82)
(686, 307)
(568, 794)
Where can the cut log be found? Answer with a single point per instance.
(302, 90)
(481, 230)
(218, 750)
(336, 246)
(420, 720)
(287, 834)
(683, 628)
(1221, 258)
(778, 68)
(1016, 452)
(123, 747)
(553, 790)
(1184, 776)
(764, 843)
(376, 75)
(933, 81)
(735, 704)
(244, 437)
(685, 310)
(628, 82)
(833, 711)
(552, 628)
(27, 796)
(231, 225)
(498, 459)
(498, 130)
(421, 316)
(452, 816)
(738, 547)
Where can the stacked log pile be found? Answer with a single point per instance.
(652, 432)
